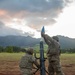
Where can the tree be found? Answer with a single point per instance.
(16, 49)
(9, 49)
(1, 49)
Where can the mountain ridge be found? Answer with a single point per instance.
(24, 41)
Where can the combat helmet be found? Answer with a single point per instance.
(29, 51)
(56, 38)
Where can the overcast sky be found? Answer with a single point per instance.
(26, 17)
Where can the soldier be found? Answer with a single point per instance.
(26, 63)
(53, 54)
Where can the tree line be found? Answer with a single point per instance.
(70, 50)
(11, 49)
(15, 49)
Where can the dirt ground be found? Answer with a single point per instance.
(12, 68)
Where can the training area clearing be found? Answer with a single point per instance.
(9, 63)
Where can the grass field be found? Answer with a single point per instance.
(9, 63)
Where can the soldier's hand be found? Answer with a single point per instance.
(38, 66)
(42, 34)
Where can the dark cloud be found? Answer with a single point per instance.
(30, 5)
(35, 12)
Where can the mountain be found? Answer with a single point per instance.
(21, 41)
(66, 42)
(24, 41)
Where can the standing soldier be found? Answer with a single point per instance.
(26, 62)
(53, 54)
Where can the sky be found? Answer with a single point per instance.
(27, 17)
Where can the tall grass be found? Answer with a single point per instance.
(65, 58)
(11, 56)
(68, 58)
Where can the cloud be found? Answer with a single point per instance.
(1, 24)
(28, 34)
(4, 30)
(32, 5)
(36, 13)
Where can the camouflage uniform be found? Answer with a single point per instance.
(26, 64)
(53, 54)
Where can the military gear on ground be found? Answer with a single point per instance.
(53, 54)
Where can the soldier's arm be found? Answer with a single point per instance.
(47, 38)
(35, 62)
